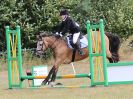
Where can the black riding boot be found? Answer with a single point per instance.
(77, 47)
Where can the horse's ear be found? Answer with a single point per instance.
(38, 37)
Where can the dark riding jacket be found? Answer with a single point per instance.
(68, 26)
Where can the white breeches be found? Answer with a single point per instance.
(75, 37)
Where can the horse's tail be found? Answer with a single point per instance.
(114, 45)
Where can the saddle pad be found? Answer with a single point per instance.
(83, 42)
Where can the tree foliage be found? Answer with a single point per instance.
(41, 15)
(117, 14)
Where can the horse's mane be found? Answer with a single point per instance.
(49, 34)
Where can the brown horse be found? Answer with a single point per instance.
(63, 54)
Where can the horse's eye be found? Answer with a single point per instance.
(40, 44)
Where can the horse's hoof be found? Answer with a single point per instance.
(52, 84)
(44, 82)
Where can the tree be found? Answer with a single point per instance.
(41, 15)
(117, 14)
(32, 15)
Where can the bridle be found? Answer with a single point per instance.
(46, 47)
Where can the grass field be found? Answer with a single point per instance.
(98, 92)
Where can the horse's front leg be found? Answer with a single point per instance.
(58, 62)
(54, 74)
(48, 77)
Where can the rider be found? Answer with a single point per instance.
(67, 25)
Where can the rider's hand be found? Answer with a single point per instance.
(60, 34)
(57, 33)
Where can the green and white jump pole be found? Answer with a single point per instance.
(114, 73)
(14, 57)
(92, 55)
(102, 73)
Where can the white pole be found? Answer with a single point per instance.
(73, 68)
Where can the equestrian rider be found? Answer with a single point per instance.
(67, 25)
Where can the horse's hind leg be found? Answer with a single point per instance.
(112, 48)
(48, 77)
(108, 53)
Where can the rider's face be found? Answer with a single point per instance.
(63, 17)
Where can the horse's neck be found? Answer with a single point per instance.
(54, 42)
(50, 41)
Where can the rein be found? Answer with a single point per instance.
(52, 44)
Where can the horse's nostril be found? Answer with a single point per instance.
(38, 56)
(39, 52)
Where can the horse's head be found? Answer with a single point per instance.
(42, 44)
(46, 40)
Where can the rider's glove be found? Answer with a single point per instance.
(57, 33)
(60, 34)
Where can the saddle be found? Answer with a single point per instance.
(83, 42)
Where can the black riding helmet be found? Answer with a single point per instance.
(64, 12)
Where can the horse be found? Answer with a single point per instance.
(63, 54)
